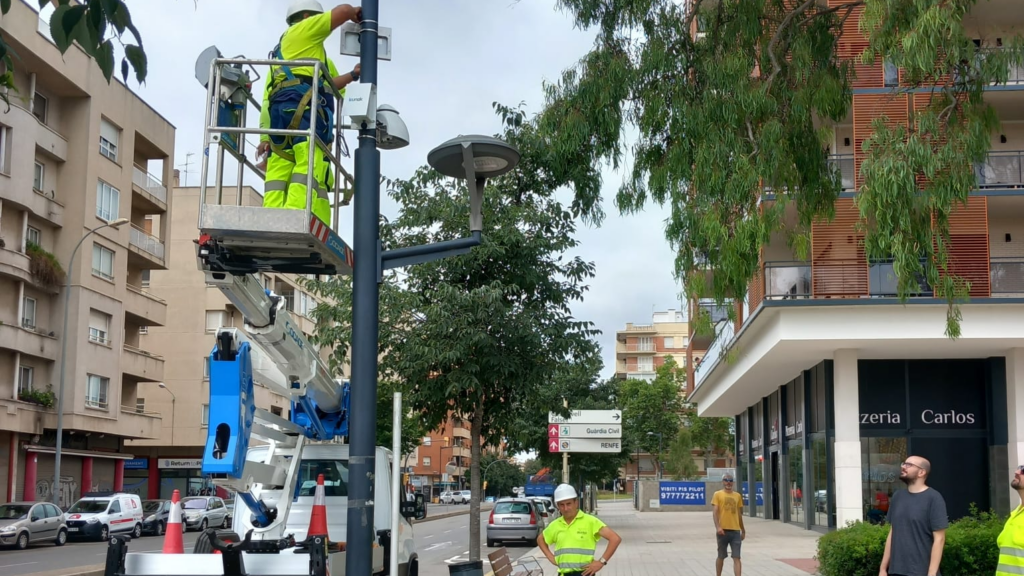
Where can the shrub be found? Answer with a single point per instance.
(45, 267)
(857, 549)
(45, 399)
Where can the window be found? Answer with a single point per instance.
(426, 460)
(26, 374)
(140, 405)
(5, 149)
(645, 364)
(96, 391)
(335, 477)
(143, 330)
(215, 319)
(34, 236)
(306, 304)
(670, 342)
(206, 367)
(206, 415)
(37, 177)
(108, 200)
(115, 507)
(39, 104)
(102, 262)
(145, 278)
(110, 136)
(99, 327)
(892, 74)
(28, 314)
(426, 440)
(276, 410)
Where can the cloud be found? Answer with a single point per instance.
(451, 60)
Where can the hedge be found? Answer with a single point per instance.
(857, 549)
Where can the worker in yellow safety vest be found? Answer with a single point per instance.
(286, 105)
(574, 536)
(1011, 539)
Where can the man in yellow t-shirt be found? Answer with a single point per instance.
(287, 105)
(727, 505)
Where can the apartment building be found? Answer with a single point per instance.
(833, 382)
(172, 458)
(442, 459)
(76, 153)
(641, 348)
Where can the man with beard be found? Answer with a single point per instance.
(1011, 539)
(918, 522)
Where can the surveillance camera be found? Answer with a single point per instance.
(391, 130)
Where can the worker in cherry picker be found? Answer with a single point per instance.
(287, 104)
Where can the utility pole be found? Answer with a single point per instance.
(565, 455)
(366, 304)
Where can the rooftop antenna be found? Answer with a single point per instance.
(188, 162)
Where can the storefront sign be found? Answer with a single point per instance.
(924, 395)
(682, 494)
(760, 493)
(795, 430)
(137, 464)
(177, 463)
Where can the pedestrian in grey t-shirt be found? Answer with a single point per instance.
(918, 521)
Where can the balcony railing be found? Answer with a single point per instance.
(146, 294)
(146, 242)
(641, 347)
(787, 280)
(723, 337)
(1007, 275)
(882, 281)
(149, 183)
(844, 164)
(140, 351)
(1002, 169)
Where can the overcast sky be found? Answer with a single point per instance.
(452, 59)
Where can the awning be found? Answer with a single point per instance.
(91, 453)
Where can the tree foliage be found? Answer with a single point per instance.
(92, 24)
(485, 336)
(749, 104)
(502, 475)
(679, 463)
(711, 435)
(651, 411)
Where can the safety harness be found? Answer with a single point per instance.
(284, 149)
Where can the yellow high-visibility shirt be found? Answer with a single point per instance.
(302, 40)
(574, 543)
(1011, 545)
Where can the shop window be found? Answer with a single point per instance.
(880, 469)
(797, 513)
(819, 481)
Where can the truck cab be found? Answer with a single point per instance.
(331, 460)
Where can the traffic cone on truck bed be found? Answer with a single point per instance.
(318, 517)
(173, 542)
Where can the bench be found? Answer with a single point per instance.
(502, 566)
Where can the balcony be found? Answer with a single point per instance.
(149, 189)
(147, 251)
(844, 164)
(787, 280)
(145, 308)
(1002, 169)
(15, 265)
(640, 347)
(135, 423)
(35, 342)
(142, 366)
(724, 333)
(1007, 276)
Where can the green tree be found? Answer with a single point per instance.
(749, 104)
(651, 410)
(711, 435)
(502, 475)
(481, 335)
(679, 461)
(92, 24)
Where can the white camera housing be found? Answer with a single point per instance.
(392, 132)
(361, 104)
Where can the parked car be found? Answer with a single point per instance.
(514, 519)
(24, 523)
(542, 509)
(201, 512)
(156, 514)
(100, 514)
(455, 497)
(463, 496)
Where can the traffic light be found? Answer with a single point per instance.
(485, 485)
(405, 479)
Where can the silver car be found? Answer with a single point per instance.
(202, 512)
(514, 519)
(24, 523)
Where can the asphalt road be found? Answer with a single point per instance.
(439, 543)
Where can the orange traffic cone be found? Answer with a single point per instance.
(173, 543)
(318, 517)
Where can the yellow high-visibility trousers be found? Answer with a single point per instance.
(285, 185)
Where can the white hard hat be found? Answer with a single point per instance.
(565, 492)
(299, 6)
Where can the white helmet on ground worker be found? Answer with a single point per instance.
(565, 492)
(300, 6)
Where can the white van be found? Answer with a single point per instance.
(100, 514)
(331, 460)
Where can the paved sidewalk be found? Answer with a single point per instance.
(683, 544)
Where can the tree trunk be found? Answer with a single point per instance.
(475, 428)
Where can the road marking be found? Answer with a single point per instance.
(431, 536)
(463, 526)
(22, 564)
(447, 531)
(436, 546)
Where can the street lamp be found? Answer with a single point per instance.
(64, 355)
(174, 399)
(658, 434)
(474, 159)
